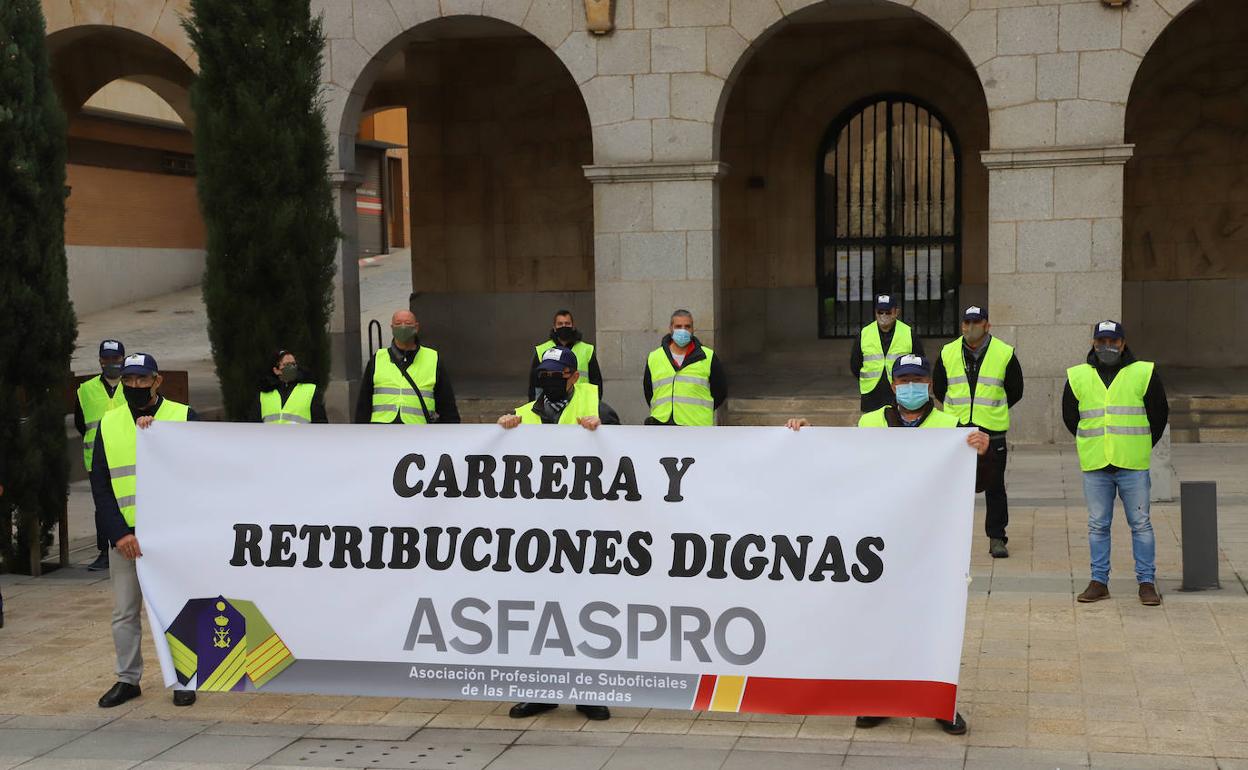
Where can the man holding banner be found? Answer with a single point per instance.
(912, 389)
(113, 485)
(561, 402)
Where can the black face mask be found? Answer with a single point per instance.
(1107, 355)
(566, 335)
(111, 371)
(554, 386)
(137, 398)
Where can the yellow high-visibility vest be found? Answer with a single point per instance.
(988, 408)
(934, 419)
(120, 447)
(95, 402)
(296, 409)
(1113, 423)
(393, 395)
(583, 351)
(874, 358)
(584, 403)
(684, 393)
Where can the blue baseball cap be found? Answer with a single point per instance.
(141, 364)
(912, 364)
(557, 359)
(112, 348)
(885, 302)
(975, 313)
(1110, 329)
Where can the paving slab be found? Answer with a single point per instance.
(416, 755)
(33, 742)
(545, 757)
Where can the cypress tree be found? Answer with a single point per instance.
(261, 154)
(37, 328)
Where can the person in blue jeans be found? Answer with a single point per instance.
(1116, 408)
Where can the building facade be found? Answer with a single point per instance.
(769, 164)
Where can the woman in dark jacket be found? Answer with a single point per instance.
(288, 394)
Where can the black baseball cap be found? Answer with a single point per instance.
(975, 313)
(1111, 329)
(885, 302)
(557, 359)
(110, 348)
(141, 364)
(912, 364)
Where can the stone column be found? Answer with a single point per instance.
(344, 325)
(656, 227)
(1054, 265)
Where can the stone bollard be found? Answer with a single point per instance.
(1199, 530)
(1165, 482)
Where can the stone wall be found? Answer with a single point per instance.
(1185, 258)
(780, 108)
(497, 137)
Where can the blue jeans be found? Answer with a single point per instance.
(1099, 489)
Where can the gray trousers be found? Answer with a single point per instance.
(127, 617)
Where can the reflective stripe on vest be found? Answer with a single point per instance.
(935, 419)
(95, 402)
(583, 350)
(684, 395)
(988, 407)
(584, 403)
(1113, 423)
(392, 395)
(296, 409)
(120, 434)
(875, 360)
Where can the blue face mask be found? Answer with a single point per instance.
(912, 395)
(682, 336)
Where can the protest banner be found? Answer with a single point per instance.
(730, 569)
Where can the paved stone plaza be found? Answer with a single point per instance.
(1046, 683)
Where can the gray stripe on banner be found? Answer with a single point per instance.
(345, 677)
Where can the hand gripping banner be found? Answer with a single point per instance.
(726, 569)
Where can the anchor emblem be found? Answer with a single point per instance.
(221, 635)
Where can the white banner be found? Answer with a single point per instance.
(729, 568)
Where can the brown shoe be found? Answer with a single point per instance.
(1095, 591)
(1148, 595)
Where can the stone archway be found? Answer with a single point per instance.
(133, 228)
(1185, 227)
(501, 214)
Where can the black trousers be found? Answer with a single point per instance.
(990, 479)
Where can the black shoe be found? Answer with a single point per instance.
(119, 694)
(184, 697)
(595, 713)
(522, 710)
(100, 564)
(956, 727)
(867, 723)
(997, 549)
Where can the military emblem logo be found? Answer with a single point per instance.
(221, 644)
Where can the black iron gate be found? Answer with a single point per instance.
(888, 217)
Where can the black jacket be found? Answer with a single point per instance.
(108, 519)
(80, 422)
(1013, 380)
(595, 374)
(719, 378)
(443, 393)
(1156, 406)
(605, 413)
(882, 394)
(272, 382)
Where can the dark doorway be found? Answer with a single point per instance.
(888, 188)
